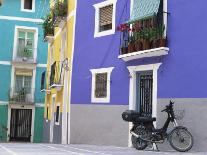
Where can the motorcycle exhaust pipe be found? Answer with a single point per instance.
(134, 134)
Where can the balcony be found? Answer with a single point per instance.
(25, 55)
(24, 96)
(142, 39)
(60, 12)
(56, 75)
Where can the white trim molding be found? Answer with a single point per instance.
(132, 88)
(94, 72)
(21, 19)
(5, 63)
(97, 8)
(155, 52)
(27, 10)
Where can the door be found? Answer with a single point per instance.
(20, 125)
(144, 93)
(52, 120)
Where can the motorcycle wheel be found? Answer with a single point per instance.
(139, 143)
(181, 139)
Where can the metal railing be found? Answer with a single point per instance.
(25, 96)
(142, 35)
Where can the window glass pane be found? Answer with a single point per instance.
(30, 35)
(28, 4)
(27, 83)
(21, 34)
(21, 46)
(18, 83)
(101, 85)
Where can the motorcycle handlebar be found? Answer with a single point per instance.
(168, 106)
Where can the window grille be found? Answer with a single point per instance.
(105, 18)
(101, 85)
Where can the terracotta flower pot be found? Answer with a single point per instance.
(124, 50)
(131, 47)
(146, 44)
(162, 42)
(138, 45)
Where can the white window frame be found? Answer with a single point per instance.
(28, 10)
(132, 90)
(97, 8)
(93, 86)
(26, 29)
(57, 123)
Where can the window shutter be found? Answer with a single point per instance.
(106, 15)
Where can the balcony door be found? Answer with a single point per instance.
(23, 86)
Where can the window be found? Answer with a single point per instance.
(23, 81)
(100, 92)
(47, 112)
(105, 21)
(57, 116)
(101, 85)
(105, 18)
(25, 44)
(28, 5)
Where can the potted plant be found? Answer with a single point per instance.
(153, 38)
(124, 28)
(138, 42)
(146, 38)
(161, 40)
(131, 44)
(47, 25)
(60, 11)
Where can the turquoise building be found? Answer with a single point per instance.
(23, 56)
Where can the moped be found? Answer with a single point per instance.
(144, 133)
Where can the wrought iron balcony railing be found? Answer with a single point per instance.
(142, 35)
(25, 96)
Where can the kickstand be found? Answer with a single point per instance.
(155, 147)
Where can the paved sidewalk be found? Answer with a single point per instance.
(56, 149)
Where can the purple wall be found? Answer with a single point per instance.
(183, 73)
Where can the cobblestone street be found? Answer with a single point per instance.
(55, 149)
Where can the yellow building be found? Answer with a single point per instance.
(59, 33)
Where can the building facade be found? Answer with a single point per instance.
(138, 55)
(56, 80)
(23, 56)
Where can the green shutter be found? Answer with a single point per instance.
(144, 9)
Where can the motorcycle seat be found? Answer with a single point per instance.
(145, 119)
